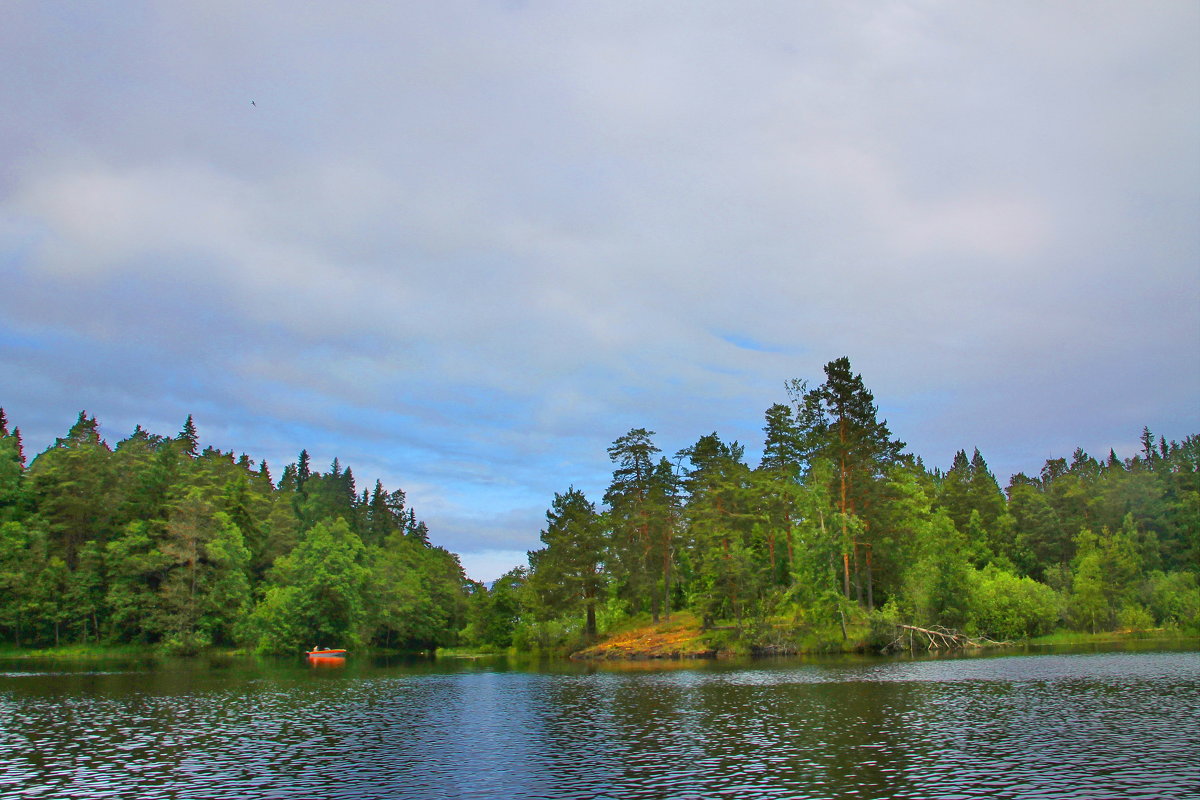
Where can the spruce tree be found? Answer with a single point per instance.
(728, 553)
(188, 438)
(569, 569)
(303, 470)
(955, 491)
(779, 475)
(12, 473)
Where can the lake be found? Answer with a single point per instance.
(1081, 724)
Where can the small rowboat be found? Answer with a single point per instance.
(326, 653)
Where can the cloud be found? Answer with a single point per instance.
(467, 247)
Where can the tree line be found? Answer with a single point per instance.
(838, 526)
(157, 541)
(835, 530)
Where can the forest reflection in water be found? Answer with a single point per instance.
(1091, 725)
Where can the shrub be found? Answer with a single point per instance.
(1133, 617)
(1005, 606)
(884, 623)
(1174, 599)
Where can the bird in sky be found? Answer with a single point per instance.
(254, 104)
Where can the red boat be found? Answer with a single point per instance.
(314, 653)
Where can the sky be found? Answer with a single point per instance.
(464, 246)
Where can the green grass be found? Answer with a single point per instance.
(80, 651)
(92, 651)
(1066, 637)
(483, 651)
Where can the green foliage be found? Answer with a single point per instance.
(1174, 599)
(884, 624)
(639, 527)
(1005, 606)
(71, 486)
(568, 571)
(13, 501)
(836, 521)
(1039, 543)
(416, 594)
(493, 614)
(546, 635)
(1104, 575)
(1089, 604)
(318, 593)
(204, 590)
(1135, 618)
(164, 543)
(938, 584)
(135, 566)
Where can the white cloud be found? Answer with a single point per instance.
(470, 246)
(488, 565)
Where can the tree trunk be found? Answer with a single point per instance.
(667, 573)
(589, 628)
(771, 549)
(870, 582)
(787, 520)
(858, 588)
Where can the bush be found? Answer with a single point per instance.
(1134, 618)
(884, 623)
(546, 635)
(187, 643)
(1174, 599)
(1005, 606)
(727, 641)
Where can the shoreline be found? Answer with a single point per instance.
(673, 641)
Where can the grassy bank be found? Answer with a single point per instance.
(682, 637)
(98, 652)
(1068, 638)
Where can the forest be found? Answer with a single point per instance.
(835, 532)
(839, 534)
(156, 541)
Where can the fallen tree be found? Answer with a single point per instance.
(913, 638)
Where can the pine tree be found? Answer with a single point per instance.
(628, 498)
(569, 569)
(783, 450)
(729, 559)
(840, 419)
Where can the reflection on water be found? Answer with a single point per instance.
(1080, 725)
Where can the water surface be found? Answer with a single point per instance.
(1093, 725)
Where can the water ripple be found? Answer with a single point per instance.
(1095, 726)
